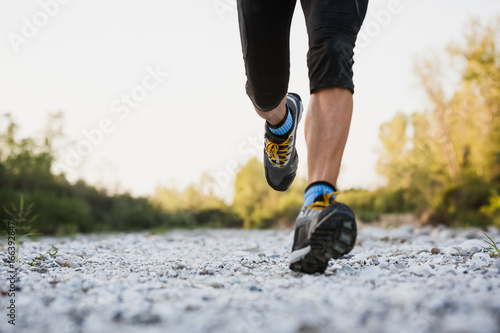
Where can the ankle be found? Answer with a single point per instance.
(284, 125)
(276, 115)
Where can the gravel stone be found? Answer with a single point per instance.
(66, 263)
(496, 264)
(435, 250)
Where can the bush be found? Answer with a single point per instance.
(460, 204)
(361, 202)
(492, 209)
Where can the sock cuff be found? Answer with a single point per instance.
(321, 183)
(315, 190)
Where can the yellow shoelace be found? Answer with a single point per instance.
(324, 203)
(277, 151)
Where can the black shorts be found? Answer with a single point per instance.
(332, 27)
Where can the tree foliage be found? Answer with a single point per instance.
(61, 207)
(258, 205)
(447, 157)
(255, 204)
(65, 208)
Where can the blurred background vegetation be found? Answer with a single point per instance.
(441, 163)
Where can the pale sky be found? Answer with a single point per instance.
(158, 86)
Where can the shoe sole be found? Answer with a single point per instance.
(334, 237)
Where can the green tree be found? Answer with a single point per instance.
(61, 207)
(446, 159)
(258, 205)
(192, 207)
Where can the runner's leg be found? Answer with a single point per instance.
(332, 28)
(265, 39)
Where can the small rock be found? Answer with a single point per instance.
(146, 318)
(435, 250)
(47, 299)
(496, 264)
(206, 272)
(452, 251)
(254, 288)
(118, 317)
(473, 250)
(462, 251)
(471, 243)
(307, 328)
(348, 270)
(482, 256)
(191, 307)
(39, 269)
(66, 263)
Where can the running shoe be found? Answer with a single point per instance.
(280, 156)
(324, 230)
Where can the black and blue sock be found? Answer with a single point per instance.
(315, 189)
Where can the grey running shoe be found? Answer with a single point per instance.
(280, 156)
(325, 229)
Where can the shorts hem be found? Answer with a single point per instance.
(326, 85)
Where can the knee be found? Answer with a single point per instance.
(266, 99)
(330, 64)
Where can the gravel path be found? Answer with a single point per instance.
(396, 280)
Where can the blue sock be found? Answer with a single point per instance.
(315, 189)
(284, 126)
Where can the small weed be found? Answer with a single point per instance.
(37, 261)
(23, 222)
(493, 249)
(52, 251)
(22, 219)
